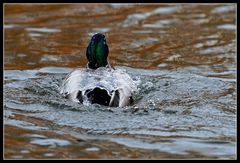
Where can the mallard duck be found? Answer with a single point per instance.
(99, 82)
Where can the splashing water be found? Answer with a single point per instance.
(104, 78)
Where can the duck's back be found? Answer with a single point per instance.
(108, 83)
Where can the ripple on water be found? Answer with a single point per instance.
(50, 142)
(227, 26)
(133, 19)
(163, 91)
(35, 136)
(49, 154)
(92, 149)
(9, 26)
(224, 9)
(24, 124)
(44, 30)
(180, 146)
(19, 74)
(186, 100)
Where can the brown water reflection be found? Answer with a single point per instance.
(142, 36)
(77, 148)
(199, 38)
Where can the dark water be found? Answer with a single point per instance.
(184, 56)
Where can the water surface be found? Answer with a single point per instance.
(183, 55)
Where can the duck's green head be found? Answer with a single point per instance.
(97, 51)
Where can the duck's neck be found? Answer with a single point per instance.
(94, 66)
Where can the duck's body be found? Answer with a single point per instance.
(99, 82)
(103, 86)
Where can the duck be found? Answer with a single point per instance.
(99, 82)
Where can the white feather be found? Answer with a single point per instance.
(105, 78)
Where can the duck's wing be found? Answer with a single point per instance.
(72, 82)
(114, 102)
(75, 96)
(121, 97)
(125, 96)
